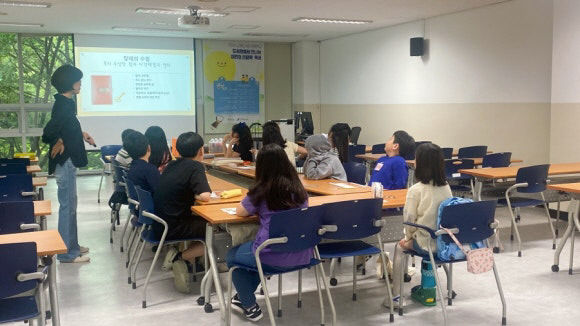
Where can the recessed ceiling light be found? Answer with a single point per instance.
(274, 35)
(182, 12)
(243, 27)
(20, 24)
(240, 9)
(147, 30)
(25, 4)
(331, 20)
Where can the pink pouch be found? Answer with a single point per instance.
(478, 260)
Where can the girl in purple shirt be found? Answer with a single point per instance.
(277, 188)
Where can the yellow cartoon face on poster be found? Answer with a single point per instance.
(219, 64)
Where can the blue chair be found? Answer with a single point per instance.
(354, 150)
(17, 216)
(459, 183)
(16, 160)
(472, 152)
(303, 233)
(118, 198)
(529, 180)
(354, 134)
(16, 187)
(355, 172)
(12, 168)
(378, 149)
(447, 152)
(351, 221)
(411, 155)
(470, 223)
(107, 150)
(136, 226)
(19, 274)
(497, 160)
(148, 235)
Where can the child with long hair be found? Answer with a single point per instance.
(277, 188)
(339, 138)
(160, 153)
(271, 134)
(239, 142)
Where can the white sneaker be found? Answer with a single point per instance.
(169, 257)
(79, 259)
(84, 250)
(395, 302)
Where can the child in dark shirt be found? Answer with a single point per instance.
(142, 173)
(239, 143)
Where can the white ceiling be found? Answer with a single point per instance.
(273, 16)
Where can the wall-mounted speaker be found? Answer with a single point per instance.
(417, 46)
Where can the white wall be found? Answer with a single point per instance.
(306, 79)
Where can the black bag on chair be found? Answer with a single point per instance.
(118, 198)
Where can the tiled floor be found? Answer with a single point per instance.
(98, 294)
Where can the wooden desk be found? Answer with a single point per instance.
(249, 173)
(324, 187)
(371, 157)
(476, 161)
(573, 222)
(34, 160)
(33, 169)
(217, 185)
(42, 207)
(39, 181)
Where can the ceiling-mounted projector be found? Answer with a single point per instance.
(194, 19)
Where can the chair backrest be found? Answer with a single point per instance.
(536, 176)
(129, 185)
(15, 213)
(17, 160)
(378, 149)
(12, 168)
(132, 189)
(108, 150)
(447, 152)
(454, 165)
(354, 150)
(355, 172)
(497, 160)
(354, 134)
(472, 152)
(17, 258)
(13, 185)
(411, 154)
(299, 225)
(472, 219)
(117, 175)
(354, 219)
(145, 205)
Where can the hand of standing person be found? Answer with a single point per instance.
(57, 149)
(88, 138)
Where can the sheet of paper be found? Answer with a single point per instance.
(247, 168)
(231, 211)
(342, 185)
(213, 195)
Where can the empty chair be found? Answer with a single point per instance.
(411, 155)
(447, 152)
(12, 168)
(355, 172)
(16, 187)
(17, 160)
(19, 275)
(354, 135)
(17, 216)
(497, 160)
(529, 180)
(354, 150)
(378, 149)
(460, 183)
(472, 152)
(478, 227)
(107, 152)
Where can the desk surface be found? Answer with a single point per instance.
(42, 207)
(567, 187)
(512, 171)
(48, 242)
(325, 187)
(217, 185)
(39, 181)
(476, 161)
(33, 169)
(214, 214)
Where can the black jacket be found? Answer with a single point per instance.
(64, 124)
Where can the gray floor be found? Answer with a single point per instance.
(98, 294)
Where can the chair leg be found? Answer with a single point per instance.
(326, 287)
(438, 285)
(136, 265)
(549, 222)
(388, 284)
(354, 278)
(450, 286)
(130, 245)
(404, 267)
(320, 299)
(558, 215)
(122, 240)
(572, 250)
(267, 297)
(41, 304)
(279, 295)
(229, 303)
(299, 289)
(515, 228)
(100, 184)
(157, 252)
(332, 273)
(499, 288)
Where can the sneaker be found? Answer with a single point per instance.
(237, 304)
(425, 296)
(84, 250)
(169, 258)
(182, 276)
(79, 259)
(252, 314)
(395, 302)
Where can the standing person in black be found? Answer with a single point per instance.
(182, 183)
(67, 153)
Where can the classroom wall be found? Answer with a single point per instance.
(306, 79)
(565, 113)
(485, 80)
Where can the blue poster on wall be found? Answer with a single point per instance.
(236, 96)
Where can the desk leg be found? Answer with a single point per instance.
(214, 270)
(478, 189)
(55, 313)
(571, 211)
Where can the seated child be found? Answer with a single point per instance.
(421, 207)
(391, 170)
(122, 156)
(142, 173)
(277, 188)
(182, 183)
(321, 162)
(239, 142)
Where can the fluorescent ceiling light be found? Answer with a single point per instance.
(274, 35)
(147, 30)
(20, 24)
(243, 26)
(182, 12)
(25, 4)
(331, 20)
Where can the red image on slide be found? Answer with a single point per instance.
(102, 90)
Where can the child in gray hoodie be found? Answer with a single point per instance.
(321, 162)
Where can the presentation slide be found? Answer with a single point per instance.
(140, 82)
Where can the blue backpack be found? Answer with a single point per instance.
(450, 251)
